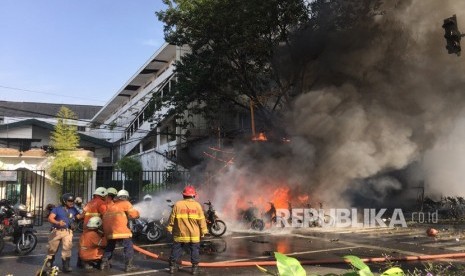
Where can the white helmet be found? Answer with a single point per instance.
(112, 190)
(122, 193)
(94, 222)
(147, 198)
(101, 191)
(78, 200)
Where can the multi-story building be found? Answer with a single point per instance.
(133, 122)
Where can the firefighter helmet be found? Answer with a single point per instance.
(189, 191)
(94, 222)
(112, 191)
(67, 197)
(147, 198)
(123, 193)
(100, 191)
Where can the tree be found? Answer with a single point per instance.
(64, 140)
(65, 161)
(232, 60)
(131, 167)
(65, 135)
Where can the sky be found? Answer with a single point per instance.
(74, 52)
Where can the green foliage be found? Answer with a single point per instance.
(232, 59)
(66, 161)
(131, 167)
(65, 135)
(288, 266)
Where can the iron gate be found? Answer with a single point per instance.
(25, 187)
(83, 183)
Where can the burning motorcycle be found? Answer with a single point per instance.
(16, 222)
(215, 226)
(251, 215)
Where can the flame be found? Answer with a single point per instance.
(302, 198)
(260, 137)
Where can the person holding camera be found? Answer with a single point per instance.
(62, 219)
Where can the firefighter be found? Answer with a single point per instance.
(111, 194)
(147, 198)
(187, 225)
(115, 227)
(92, 244)
(92, 210)
(62, 220)
(92, 207)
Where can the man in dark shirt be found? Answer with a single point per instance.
(62, 219)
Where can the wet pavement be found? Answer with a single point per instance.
(305, 244)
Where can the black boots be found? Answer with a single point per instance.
(173, 267)
(66, 266)
(49, 263)
(195, 269)
(130, 266)
(104, 264)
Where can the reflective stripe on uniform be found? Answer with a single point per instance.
(92, 214)
(119, 236)
(187, 239)
(189, 216)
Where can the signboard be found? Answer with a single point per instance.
(8, 175)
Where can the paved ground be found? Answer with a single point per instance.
(304, 244)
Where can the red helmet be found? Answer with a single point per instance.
(189, 191)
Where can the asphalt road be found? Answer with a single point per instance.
(242, 245)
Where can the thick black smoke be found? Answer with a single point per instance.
(379, 91)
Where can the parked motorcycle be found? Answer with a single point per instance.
(215, 226)
(148, 229)
(16, 222)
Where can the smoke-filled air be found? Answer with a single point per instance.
(380, 96)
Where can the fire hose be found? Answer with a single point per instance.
(311, 262)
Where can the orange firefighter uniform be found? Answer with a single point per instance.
(115, 220)
(187, 221)
(91, 245)
(104, 207)
(92, 209)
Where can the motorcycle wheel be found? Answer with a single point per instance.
(218, 228)
(29, 244)
(258, 224)
(154, 234)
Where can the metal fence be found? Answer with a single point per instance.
(25, 187)
(83, 183)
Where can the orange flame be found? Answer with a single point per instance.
(260, 137)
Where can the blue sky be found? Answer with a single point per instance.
(75, 52)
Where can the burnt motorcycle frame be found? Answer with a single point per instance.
(216, 227)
